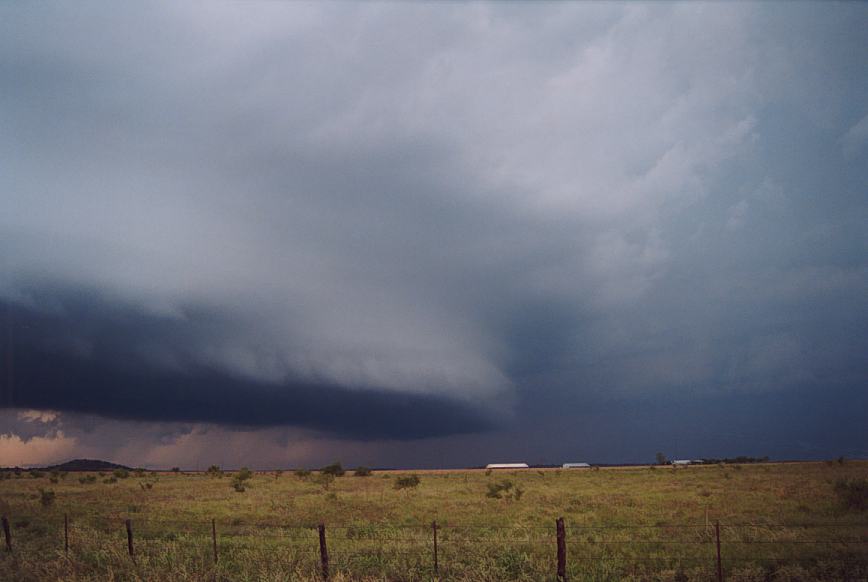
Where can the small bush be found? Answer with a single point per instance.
(240, 477)
(302, 473)
(54, 479)
(87, 479)
(46, 497)
(36, 474)
(325, 480)
(504, 490)
(852, 493)
(362, 472)
(333, 469)
(277, 474)
(110, 480)
(146, 485)
(214, 471)
(120, 473)
(409, 482)
(176, 469)
(139, 472)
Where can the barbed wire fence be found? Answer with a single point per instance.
(439, 550)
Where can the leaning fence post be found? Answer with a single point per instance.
(434, 531)
(323, 552)
(562, 549)
(129, 525)
(214, 538)
(719, 565)
(7, 533)
(66, 534)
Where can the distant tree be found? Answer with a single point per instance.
(661, 459)
(334, 469)
(176, 469)
(214, 471)
(244, 474)
(409, 482)
(362, 472)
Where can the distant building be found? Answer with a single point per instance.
(506, 466)
(682, 462)
(577, 466)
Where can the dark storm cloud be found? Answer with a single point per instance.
(86, 355)
(520, 211)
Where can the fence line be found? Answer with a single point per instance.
(431, 548)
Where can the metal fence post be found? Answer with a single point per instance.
(434, 531)
(214, 538)
(562, 549)
(7, 533)
(717, 538)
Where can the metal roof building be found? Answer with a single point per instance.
(506, 466)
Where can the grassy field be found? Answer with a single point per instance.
(778, 522)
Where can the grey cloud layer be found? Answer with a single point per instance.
(466, 202)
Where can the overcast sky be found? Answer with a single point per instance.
(406, 234)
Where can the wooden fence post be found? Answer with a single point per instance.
(434, 531)
(7, 534)
(214, 538)
(323, 552)
(719, 565)
(129, 525)
(562, 549)
(66, 534)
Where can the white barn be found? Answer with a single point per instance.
(682, 462)
(507, 466)
(576, 466)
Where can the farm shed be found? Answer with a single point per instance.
(506, 466)
(682, 462)
(577, 466)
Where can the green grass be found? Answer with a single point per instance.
(777, 523)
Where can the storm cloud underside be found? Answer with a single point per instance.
(475, 224)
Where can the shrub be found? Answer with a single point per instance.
(277, 474)
(302, 473)
(852, 493)
(87, 479)
(110, 480)
(46, 497)
(333, 469)
(325, 480)
(176, 469)
(139, 472)
(362, 472)
(146, 485)
(214, 471)
(504, 490)
(36, 474)
(120, 473)
(54, 479)
(240, 477)
(408, 482)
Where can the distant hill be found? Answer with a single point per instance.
(87, 465)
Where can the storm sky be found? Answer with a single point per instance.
(419, 235)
